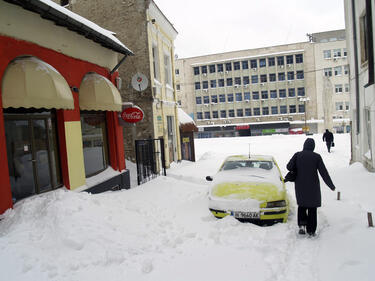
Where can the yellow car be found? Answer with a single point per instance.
(249, 189)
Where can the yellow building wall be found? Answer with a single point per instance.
(74, 150)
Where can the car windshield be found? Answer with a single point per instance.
(230, 165)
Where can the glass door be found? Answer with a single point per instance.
(32, 153)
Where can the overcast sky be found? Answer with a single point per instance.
(215, 26)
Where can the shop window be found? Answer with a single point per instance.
(95, 144)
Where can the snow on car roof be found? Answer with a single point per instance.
(252, 157)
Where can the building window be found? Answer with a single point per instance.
(254, 79)
(289, 59)
(229, 82)
(346, 88)
(228, 66)
(339, 105)
(239, 112)
(280, 60)
(204, 69)
(95, 144)
(214, 99)
(299, 58)
(178, 87)
(346, 69)
(247, 111)
(213, 83)
(246, 96)
(301, 92)
(274, 110)
(327, 54)
(300, 74)
(328, 72)
(290, 75)
(222, 98)
(264, 95)
(196, 70)
(212, 68)
(292, 108)
(338, 71)
(347, 105)
(338, 88)
(253, 64)
(337, 53)
(199, 116)
(255, 95)
(283, 109)
(282, 93)
(205, 84)
(207, 115)
(256, 111)
(177, 71)
(238, 96)
(231, 112)
(262, 62)
(366, 24)
(198, 100)
(236, 65)
(272, 77)
(265, 111)
(167, 70)
(273, 94)
(271, 61)
(220, 67)
(245, 64)
(215, 114)
(206, 99)
(223, 114)
(155, 62)
(301, 108)
(197, 85)
(263, 78)
(246, 80)
(221, 82)
(237, 80)
(291, 92)
(281, 76)
(230, 97)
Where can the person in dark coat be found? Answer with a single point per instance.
(328, 138)
(306, 165)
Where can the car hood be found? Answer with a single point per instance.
(248, 183)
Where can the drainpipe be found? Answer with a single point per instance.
(355, 43)
(118, 65)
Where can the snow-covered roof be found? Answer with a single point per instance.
(62, 16)
(184, 118)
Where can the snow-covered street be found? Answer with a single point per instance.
(163, 230)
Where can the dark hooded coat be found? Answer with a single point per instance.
(328, 136)
(307, 163)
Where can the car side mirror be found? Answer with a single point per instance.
(209, 178)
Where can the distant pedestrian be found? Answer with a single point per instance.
(306, 164)
(328, 138)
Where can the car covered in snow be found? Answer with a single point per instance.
(249, 189)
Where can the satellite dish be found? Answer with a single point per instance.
(139, 82)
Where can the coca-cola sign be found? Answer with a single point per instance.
(132, 114)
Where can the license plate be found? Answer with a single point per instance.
(246, 215)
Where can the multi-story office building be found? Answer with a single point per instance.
(332, 80)
(259, 91)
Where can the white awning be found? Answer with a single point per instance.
(98, 93)
(29, 82)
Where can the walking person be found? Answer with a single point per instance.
(328, 138)
(306, 164)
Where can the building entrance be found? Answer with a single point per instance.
(32, 152)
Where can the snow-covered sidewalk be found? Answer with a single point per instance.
(163, 230)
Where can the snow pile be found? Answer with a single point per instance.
(184, 118)
(163, 230)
